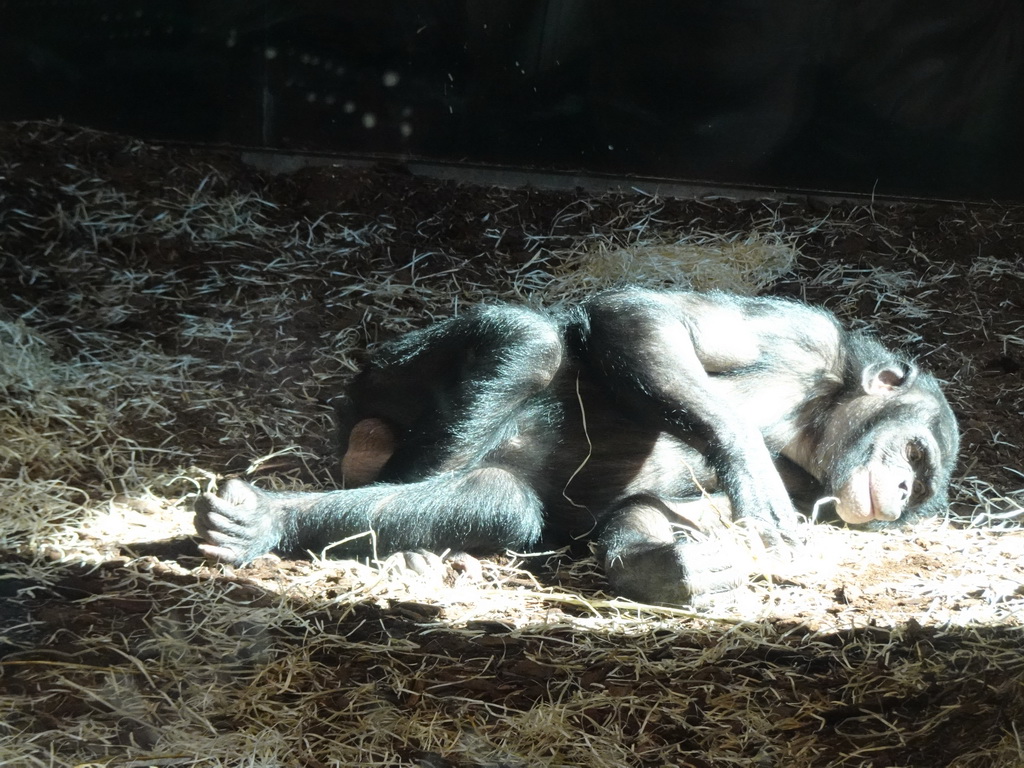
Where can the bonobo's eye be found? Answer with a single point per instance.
(913, 452)
(917, 457)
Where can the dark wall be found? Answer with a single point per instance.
(890, 96)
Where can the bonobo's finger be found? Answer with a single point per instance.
(215, 518)
(778, 541)
(236, 502)
(225, 547)
(767, 509)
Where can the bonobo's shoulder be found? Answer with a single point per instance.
(687, 302)
(759, 305)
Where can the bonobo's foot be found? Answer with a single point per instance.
(684, 573)
(239, 523)
(420, 565)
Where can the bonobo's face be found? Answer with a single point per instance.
(888, 453)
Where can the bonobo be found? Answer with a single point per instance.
(508, 428)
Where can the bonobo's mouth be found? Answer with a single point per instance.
(882, 507)
(863, 499)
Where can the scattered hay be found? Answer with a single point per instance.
(745, 264)
(171, 316)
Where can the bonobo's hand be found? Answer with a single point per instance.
(686, 572)
(764, 506)
(780, 544)
(239, 524)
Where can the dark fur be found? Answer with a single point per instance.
(514, 429)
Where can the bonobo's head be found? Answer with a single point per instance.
(889, 446)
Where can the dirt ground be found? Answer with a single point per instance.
(174, 315)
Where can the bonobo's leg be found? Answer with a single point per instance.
(452, 392)
(451, 407)
(641, 345)
(656, 551)
(478, 510)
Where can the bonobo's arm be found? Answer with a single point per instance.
(694, 364)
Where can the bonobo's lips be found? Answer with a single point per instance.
(872, 495)
(857, 500)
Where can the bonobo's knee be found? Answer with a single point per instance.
(543, 350)
(531, 343)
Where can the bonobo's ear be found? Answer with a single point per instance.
(887, 378)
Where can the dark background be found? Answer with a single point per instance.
(870, 96)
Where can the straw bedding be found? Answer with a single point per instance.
(169, 316)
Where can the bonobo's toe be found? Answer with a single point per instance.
(236, 523)
(421, 565)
